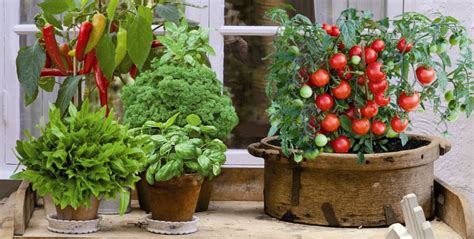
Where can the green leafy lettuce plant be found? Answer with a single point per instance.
(176, 150)
(81, 156)
(180, 81)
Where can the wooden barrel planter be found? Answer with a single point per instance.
(335, 190)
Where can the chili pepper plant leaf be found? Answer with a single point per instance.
(56, 6)
(105, 56)
(29, 62)
(81, 156)
(139, 39)
(47, 83)
(169, 12)
(66, 92)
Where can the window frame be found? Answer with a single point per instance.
(211, 17)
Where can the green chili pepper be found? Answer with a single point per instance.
(121, 49)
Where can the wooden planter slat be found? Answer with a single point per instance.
(24, 207)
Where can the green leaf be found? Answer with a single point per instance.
(348, 33)
(139, 40)
(105, 55)
(51, 19)
(124, 201)
(146, 13)
(404, 138)
(66, 92)
(185, 150)
(360, 157)
(171, 120)
(111, 7)
(272, 131)
(208, 129)
(346, 123)
(56, 6)
(216, 169)
(169, 12)
(47, 83)
(29, 62)
(298, 157)
(193, 119)
(204, 162)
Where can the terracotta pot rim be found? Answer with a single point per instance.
(378, 161)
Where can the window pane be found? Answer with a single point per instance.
(244, 74)
(251, 12)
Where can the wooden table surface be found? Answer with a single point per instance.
(224, 219)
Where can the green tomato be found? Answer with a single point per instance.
(453, 40)
(311, 155)
(294, 50)
(298, 103)
(306, 92)
(449, 95)
(391, 133)
(453, 116)
(321, 140)
(355, 60)
(433, 48)
(453, 105)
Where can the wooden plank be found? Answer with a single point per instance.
(24, 207)
(454, 209)
(6, 217)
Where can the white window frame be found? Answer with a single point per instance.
(211, 17)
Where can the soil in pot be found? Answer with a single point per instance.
(204, 195)
(142, 193)
(175, 200)
(82, 213)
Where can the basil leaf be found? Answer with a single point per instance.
(29, 62)
(193, 119)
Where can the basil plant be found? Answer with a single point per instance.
(176, 150)
(81, 156)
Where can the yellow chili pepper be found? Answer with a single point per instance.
(98, 27)
(121, 49)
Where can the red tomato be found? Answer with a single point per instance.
(355, 51)
(398, 125)
(342, 91)
(425, 75)
(370, 109)
(338, 61)
(403, 46)
(326, 27)
(381, 100)
(330, 123)
(335, 32)
(360, 126)
(409, 102)
(324, 101)
(378, 87)
(378, 45)
(378, 127)
(351, 112)
(370, 55)
(342, 144)
(319, 78)
(341, 45)
(361, 80)
(374, 72)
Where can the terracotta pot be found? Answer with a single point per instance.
(142, 193)
(204, 195)
(82, 213)
(175, 200)
(334, 190)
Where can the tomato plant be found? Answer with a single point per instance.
(362, 79)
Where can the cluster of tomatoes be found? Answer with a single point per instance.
(371, 82)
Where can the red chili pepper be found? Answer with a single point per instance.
(64, 49)
(155, 44)
(51, 72)
(47, 63)
(82, 39)
(102, 84)
(88, 63)
(133, 71)
(52, 47)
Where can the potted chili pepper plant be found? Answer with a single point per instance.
(180, 81)
(341, 102)
(78, 160)
(179, 159)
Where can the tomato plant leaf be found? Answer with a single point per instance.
(404, 138)
(346, 123)
(105, 55)
(360, 157)
(29, 62)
